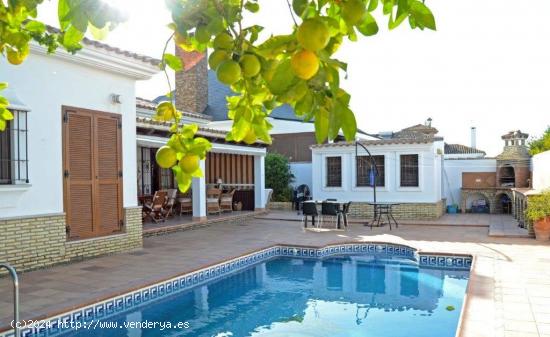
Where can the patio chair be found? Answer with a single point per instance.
(344, 213)
(310, 209)
(226, 201)
(330, 209)
(154, 209)
(186, 203)
(168, 208)
(213, 201)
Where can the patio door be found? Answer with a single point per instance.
(92, 169)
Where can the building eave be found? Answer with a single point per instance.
(101, 58)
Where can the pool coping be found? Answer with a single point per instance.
(196, 276)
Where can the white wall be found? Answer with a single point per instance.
(45, 84)
(452, 175)
(302, 174)
(429, 189)
(541, 171)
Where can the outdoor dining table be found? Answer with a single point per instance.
(319, 202)
(382, 208)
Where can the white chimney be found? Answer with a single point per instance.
(473, 137)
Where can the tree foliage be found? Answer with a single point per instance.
(278, 176)
(298, 68)
(540, 144)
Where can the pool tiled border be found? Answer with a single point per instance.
(200, 276)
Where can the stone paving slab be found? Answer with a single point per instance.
(509, 291)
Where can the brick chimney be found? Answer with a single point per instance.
(192, 82)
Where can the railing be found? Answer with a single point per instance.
(15, 279)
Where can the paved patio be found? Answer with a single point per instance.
(509, 291)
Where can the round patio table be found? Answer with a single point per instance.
(380, 209)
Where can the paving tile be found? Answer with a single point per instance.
(510, 285)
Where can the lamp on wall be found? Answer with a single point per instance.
(116, 99)
(219, 182)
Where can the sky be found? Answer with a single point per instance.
(487, 65)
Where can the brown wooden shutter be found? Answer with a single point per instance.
(108, 177)
(79, 182)
(92, 169)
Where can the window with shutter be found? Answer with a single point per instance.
(92, 163)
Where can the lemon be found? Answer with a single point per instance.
(223, 41)
(313, 34)
(217, 57)
(17, 57)
(353, 11)
(166, 157)
(305, 64)
(202, 34)
(229, 72)
(251, 65)
(189, 163)
(250, 137)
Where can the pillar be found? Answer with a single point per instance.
(199, 196)
(259, 183)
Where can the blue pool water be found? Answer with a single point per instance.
(344, 296)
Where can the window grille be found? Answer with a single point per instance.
(409, 170)
(14, 163)
(334, 171)
(365, 171)
(144, 171)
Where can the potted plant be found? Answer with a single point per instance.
(538, 211)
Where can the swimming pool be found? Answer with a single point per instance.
(348, 290)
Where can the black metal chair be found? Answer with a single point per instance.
(330, 209)
(344, 213)
(309, 209)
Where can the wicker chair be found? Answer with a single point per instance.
(186, 203)
(226, 201)
(213, 201)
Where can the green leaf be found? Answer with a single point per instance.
(63, 10)
(422, 14)
(282, 79)
(275, 45)
(35, 26)
(2, 125)
(369, 26)
(3, 85)
(252, 7)
(72, 38)
(349, 124)
(172, 61)
(335, 122)
(99, 33)
(5, 114)
(373, 4)
(321, 125)
(299, 6)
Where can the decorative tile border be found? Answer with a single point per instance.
(187, 281)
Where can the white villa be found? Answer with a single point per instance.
(81, 151)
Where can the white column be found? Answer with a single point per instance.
(259, 182)
(199, 196)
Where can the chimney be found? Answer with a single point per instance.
(192, 82)
(473, 135)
